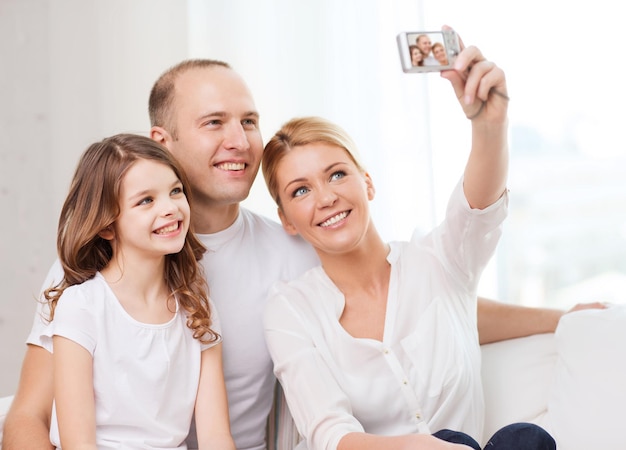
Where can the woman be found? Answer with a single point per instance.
(439, 52)
(378, 347)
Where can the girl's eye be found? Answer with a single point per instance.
(145, 201)
(338, 175)
(300, 191)
(176, 191)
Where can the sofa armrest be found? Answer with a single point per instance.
(282, 433)
(517, 377)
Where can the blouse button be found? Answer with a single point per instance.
(418, 416)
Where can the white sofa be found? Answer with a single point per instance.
(572, 382)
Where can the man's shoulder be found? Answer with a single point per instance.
(313, 279)
(261, 219)
(269, 234)
(302, 294)
(258, 224)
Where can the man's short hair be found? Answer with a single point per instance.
(161, 101)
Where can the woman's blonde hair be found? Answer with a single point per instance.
(92, 205)
(298, 132)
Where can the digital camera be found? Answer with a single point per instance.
(428, 51)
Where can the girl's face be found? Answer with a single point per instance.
(416, 56)
(324, 197)
(154, 212)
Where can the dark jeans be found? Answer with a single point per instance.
(518, 436)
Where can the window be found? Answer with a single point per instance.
(565, 239)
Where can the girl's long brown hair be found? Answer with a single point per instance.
(93, 205)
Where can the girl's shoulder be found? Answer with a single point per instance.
(91, 291)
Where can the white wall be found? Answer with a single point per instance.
(72, 72)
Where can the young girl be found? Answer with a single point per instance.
(417, 59)
(135, 345)
(378, 347)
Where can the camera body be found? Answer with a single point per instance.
(412, 44)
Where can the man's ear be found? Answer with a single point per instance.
(289, 228)
(160, 135)
(107, 233)
(371, 190)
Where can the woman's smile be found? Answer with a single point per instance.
(334, 219)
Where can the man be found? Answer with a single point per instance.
(424, 43)
(206, 116)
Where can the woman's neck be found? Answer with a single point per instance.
(363, 277)
(365, 265)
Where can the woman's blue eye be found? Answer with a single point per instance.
(300, 191)
(338, 175)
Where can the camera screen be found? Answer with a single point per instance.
(427, 49)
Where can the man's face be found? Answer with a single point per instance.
(424, 44)
(218, 140)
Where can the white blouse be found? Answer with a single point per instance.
(145, 376)
(425, 374)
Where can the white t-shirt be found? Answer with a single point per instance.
(430, 60)
(241, 264)
(425, 374)
(145, 376)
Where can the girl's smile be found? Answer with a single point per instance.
(170, 229)
(151, 199)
